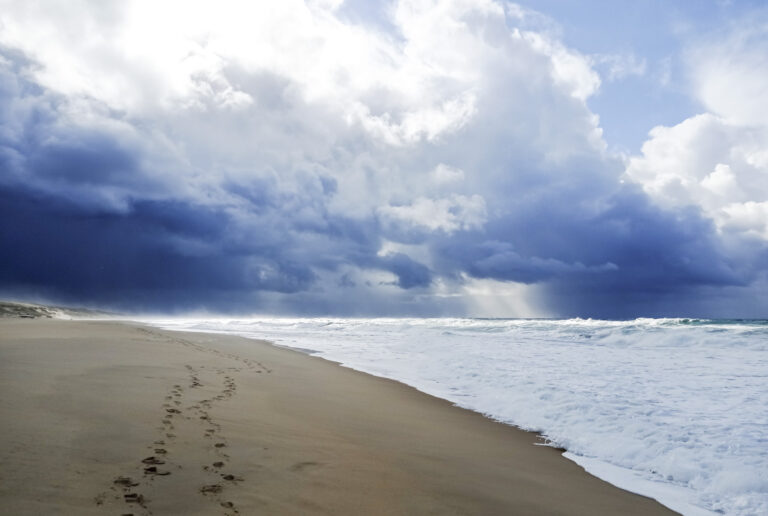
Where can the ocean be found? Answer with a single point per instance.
(674, 409)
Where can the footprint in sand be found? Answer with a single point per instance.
(133, 498)
(152, 470)
(211, 489)
(301, 466)
(125, 482)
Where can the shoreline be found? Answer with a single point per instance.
(87, 401)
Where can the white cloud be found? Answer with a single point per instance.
(444, 174)
(569, 68)
(706, 162)
(620, 66)
(730, 73)
(429, 123)
(330, 5)
(456, 213)
(750, 217)
(717, 161)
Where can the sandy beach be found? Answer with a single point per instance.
(117, 418)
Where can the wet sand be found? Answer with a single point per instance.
(117, 418)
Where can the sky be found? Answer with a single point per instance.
(482, 158)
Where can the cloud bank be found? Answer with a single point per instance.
(294, 158)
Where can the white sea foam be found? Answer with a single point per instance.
(673, 409)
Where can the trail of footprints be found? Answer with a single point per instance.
(176, 410)
(162, 462)
(253, 365)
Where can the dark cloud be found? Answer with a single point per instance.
(410, 273)
(624, 257)
(96, 214)
(155, 255)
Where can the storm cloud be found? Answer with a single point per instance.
(247, 171)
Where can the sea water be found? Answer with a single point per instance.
(675, 409)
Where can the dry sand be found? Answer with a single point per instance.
(237, 426)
